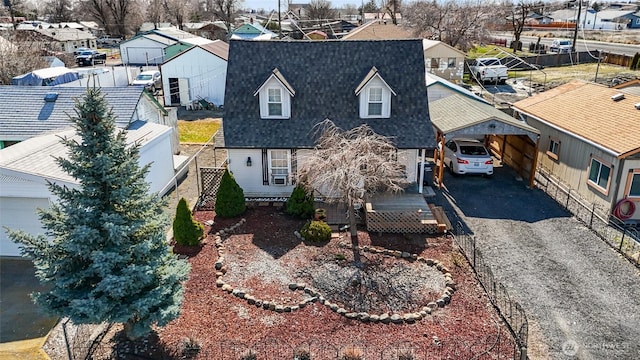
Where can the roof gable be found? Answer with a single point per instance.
(324, 75)
(587, 110)
(277, 75)
(373, 74)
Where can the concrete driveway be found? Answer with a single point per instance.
(582, 299)
(20, 318)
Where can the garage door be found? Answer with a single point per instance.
(19, 213)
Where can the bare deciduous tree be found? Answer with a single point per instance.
(392, 7)
(19, 59)
(58, 11)
(320, 10)
(114, 15)
(224, 10)
(348, 165)
(178, 11)
(458, 24)
(517, 15)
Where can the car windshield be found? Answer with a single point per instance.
(564, 42)
(86, 53)
(143, 77)
(491, 62)
(473, 150)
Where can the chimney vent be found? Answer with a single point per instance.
(637, 106)
(617, 97)
(51, 97)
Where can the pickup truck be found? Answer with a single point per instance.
(488, 69)
(90, 57)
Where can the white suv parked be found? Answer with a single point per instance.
(467, 156)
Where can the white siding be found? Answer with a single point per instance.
(19, 213)
(206, 74)
(142, 51)
(158, 153)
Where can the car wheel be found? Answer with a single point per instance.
(153, 89)
(452, 170)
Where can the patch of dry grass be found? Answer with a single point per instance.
(199, 131)
(563, 74)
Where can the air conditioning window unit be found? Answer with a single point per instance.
(279, 180)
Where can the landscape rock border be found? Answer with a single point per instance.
(385, 318)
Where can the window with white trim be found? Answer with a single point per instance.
(634, 185)
(375, 102)
(274, 101)
(279, 167)
(599, 174)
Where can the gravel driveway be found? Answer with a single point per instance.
(582, 299)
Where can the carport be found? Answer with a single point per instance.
(511, 141)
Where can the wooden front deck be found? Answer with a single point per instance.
(400, 213)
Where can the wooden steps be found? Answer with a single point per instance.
(443, 222)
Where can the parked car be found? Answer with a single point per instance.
(561, 46)
(489, 69)
(107, 41)
(77, 51)
(90, 57)
(149, 79)
(467, 156)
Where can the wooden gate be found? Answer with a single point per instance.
(209, 185)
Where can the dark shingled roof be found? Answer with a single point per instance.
(24, 113)
(325, 75)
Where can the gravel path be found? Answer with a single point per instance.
(582, 299)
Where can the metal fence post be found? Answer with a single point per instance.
(624, 232)
(593, 210)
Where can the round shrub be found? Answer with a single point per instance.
(186, 231)
(300, 203)
(230, 197)
(316, 231)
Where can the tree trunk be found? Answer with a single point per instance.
(128, 331)
(352, 220)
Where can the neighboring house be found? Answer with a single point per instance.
(378, 30)
(60, 39)
(216, 30)
(253, 30)
(199, 72)
(589, 141)
(443, 60)
(629, 87)
(633, 20)
(440, 88)
(27, 168)
(614, 19)
(277, 92)
(316, 35)
(29, 111)
(148, 48)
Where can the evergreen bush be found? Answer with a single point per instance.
(300, 203)
(635, 62)
(230, 197)
(186, 230)
(316, 231)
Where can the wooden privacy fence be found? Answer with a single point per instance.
(616, 59)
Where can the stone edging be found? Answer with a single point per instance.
(386, 318)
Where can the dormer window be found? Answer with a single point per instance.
(275, 96)
(375, 102)
(274, 102)
(374, 96)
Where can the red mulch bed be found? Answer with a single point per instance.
(227, 326)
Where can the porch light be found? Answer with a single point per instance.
(249, 161)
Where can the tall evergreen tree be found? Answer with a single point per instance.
(107, 258)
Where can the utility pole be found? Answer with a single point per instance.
(575, 32)
(279, 21)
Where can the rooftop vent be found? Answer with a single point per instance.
(637, 106)
(617, 97)
(51, 97)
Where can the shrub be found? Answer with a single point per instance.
(249, 355)
(316, 231)
(405, 355)
(186, 231)
(300, 203)
(230, 197)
